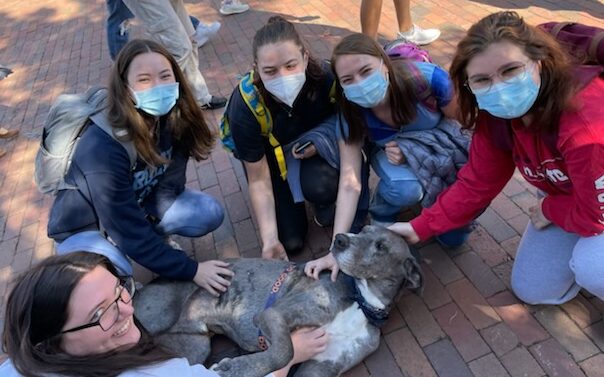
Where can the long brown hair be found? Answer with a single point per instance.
(403, 90)
(190, 132)
(557, 86)
(36, 311)
(276, 30)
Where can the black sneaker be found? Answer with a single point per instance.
(215, 103)
(324, 215)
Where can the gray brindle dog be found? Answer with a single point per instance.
(376, 265)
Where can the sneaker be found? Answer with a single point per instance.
(420, 36)
(324, 215)
(215, 103)
(233, 8)
(205, 31)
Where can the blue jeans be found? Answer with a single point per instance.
(117, 33)
(398, 189)
(192, 214)
(117, 36)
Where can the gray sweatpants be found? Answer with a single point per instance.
(552, 265)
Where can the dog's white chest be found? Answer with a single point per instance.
(347, 331)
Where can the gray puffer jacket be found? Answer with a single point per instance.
(435, 156)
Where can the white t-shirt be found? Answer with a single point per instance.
(169, 368)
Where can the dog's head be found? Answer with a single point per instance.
(379, 256)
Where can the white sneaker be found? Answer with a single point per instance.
(233, 8)
(205, 31)
(420, 36)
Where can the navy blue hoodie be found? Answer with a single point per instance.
(123, 200)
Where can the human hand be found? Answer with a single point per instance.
(537, 217)
(211, 276)
(327, 262)
(274, 250)
(405, 230)
(308, 342)
(393, 153)
(307, 152)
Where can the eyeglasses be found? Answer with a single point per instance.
(483, 83)
(108, 317)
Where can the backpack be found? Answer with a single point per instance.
(255, 103)
(402, 48)
(583, 42)
(68, 118)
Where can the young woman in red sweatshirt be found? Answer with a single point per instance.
(530, 109)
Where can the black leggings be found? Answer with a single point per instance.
(319, 183)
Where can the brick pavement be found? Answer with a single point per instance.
(466, 324)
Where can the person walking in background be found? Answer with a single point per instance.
(371, 11)
(168, 23)
(118, 19)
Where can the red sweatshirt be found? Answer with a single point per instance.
(572, 176)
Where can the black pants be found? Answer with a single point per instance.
(319, 182)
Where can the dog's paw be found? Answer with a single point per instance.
(225, 368)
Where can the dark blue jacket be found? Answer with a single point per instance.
(125, 201)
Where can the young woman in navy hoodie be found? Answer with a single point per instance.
(126, 212)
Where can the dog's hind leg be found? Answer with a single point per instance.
(280, 351)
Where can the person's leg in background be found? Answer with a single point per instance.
(118, 16)
(370, 20)
(371, 10)
(408, 30)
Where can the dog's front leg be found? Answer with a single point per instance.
(280, 351)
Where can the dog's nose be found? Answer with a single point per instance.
(341, 242)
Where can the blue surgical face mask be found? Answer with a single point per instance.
(511, 99)
(368, 92)
(156, 101)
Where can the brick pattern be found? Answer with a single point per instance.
(467, 323)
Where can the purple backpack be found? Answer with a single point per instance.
(402, 48)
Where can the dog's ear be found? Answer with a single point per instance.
(414, 278)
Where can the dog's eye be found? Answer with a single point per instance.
(381, 246)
